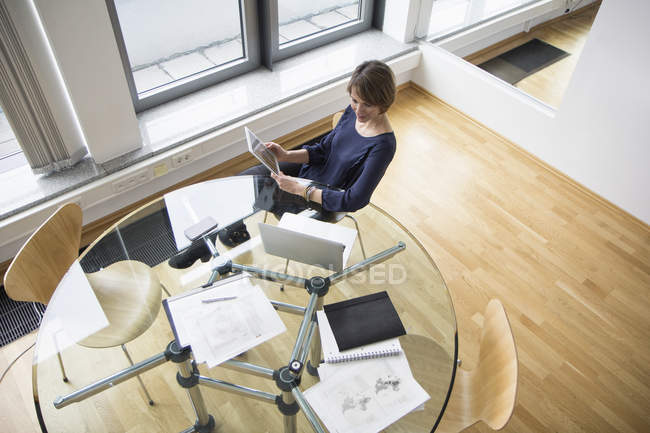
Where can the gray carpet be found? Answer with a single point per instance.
(524, 60)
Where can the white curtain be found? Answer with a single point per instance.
(30, 88)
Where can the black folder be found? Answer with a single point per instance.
(363, 320)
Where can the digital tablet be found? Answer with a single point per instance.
(259, 150)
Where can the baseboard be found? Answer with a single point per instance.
(539, 162)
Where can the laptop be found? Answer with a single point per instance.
(301, 247)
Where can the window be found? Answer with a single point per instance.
(298, 26)
(171, 48)
(453, 16)
(297, 20)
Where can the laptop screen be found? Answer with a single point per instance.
(302, 247)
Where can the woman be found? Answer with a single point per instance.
(351, 159)
(354, 156)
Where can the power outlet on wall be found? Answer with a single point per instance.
(182, 158)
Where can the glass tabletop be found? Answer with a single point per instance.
(112, 296)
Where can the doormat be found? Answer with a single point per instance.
(524, 60)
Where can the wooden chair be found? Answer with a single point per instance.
(488, 392)
(128, 291)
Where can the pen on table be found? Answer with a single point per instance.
(225, 298)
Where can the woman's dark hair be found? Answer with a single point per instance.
(374, 82)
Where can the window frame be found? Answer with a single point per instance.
(469, 25)
(260, 36)
(306, 43)
(151, 98)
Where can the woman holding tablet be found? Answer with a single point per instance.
(351, 159)
(354, 156)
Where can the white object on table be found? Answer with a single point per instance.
(219, 331)
(366, 396)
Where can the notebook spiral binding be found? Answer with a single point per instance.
(335, 359)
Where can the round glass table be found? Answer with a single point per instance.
(105, 316)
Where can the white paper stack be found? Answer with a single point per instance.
(368, 356)
(218, 331)
(365, 396)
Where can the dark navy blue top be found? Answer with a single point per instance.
(347, 160)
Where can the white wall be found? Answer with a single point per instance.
(598, 135)
(602, 137)
(401, 18)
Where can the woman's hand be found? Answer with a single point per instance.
(288, 184)
(277, 150)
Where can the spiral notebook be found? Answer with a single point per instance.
(332, 354)
(363, 320)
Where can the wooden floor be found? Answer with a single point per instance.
(572, 272)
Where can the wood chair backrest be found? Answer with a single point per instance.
(335, 118)
(44, 259)
(495, 377)
(489, 391)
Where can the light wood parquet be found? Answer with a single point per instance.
(572, 273)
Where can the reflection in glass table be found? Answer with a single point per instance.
(148, 235)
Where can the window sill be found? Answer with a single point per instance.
(191, 124)
(206, 111)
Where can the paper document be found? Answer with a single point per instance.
(382, 352)
(365, 396)
(259, 151)
(323, 230)
(239, 318)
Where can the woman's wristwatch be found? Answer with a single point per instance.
(308, 192)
